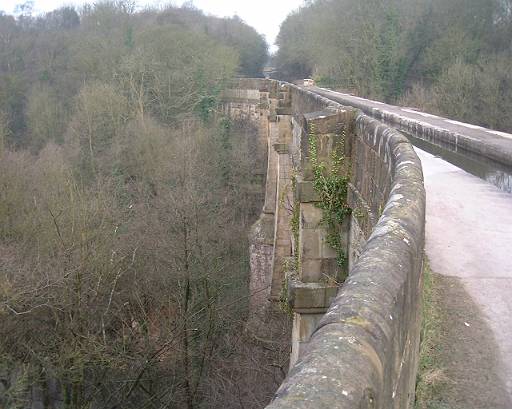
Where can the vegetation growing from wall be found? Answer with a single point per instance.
(125, 203)
(331, 184)
(449, 57)
(295, 219)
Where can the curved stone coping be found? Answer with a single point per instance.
(364, 352)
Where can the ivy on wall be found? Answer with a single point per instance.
(332, 187)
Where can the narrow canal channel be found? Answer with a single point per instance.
(496, 174)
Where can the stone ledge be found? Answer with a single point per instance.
(310, 298)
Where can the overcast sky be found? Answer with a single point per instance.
(264, 15)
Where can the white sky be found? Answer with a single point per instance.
(264, 15)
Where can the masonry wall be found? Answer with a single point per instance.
(253, 100)
(372, 177)
(355, 346)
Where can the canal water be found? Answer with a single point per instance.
(496, 174)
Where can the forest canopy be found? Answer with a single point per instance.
(450, 57)
(126, 198)
(164, 62)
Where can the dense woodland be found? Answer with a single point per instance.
(125, 203)
(451, 57)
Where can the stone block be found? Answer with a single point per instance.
(325, 144)
(281, 148)
(317, 270)
(326, 250)
(310, 241)
(305, 192)
(310, 297)
(284, 111)
(322, 121)
(303, 327)
(310, 270)
(311, 216)
(329, 268)
(307, 170)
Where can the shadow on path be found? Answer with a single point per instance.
(468, 352)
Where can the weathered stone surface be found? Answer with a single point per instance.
(281, 148)
(284, 111)
(303, 326)
(272, 169)
(305, 192)
(310, 297)
(261, 251)
(363, 353)
(317, 259)
(282, 236)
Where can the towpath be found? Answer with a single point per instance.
(469, 242)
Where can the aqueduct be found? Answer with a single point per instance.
(341, 237)
(355, 347)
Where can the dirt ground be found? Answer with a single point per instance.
(469, 368)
